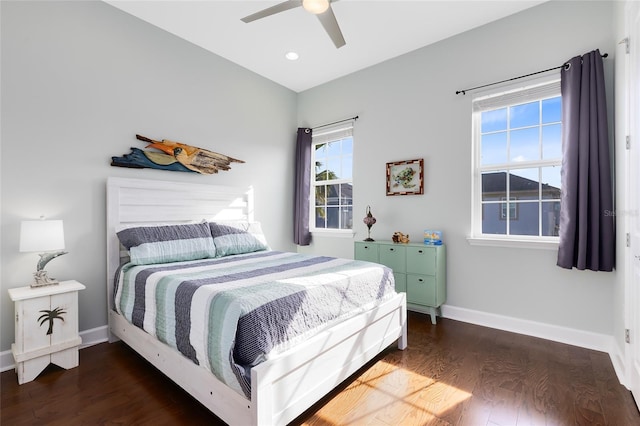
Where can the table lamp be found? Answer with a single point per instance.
(47, 238)
(369, 220)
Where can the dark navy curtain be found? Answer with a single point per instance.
(301, 234)
(587, 234)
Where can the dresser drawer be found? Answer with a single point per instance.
(421, 260)
(394, 257)
(401, 282)
(421, 290)
(365, 251)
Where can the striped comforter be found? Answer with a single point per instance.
(228, 314)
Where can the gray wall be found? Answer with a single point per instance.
(79, 80)
(408, 109)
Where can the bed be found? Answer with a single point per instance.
(293, 374)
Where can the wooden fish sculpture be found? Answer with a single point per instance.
(193, 158)
(139, 159)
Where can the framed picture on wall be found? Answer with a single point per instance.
(405, 177)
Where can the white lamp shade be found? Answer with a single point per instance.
(41, 235)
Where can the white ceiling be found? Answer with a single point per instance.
(374, 31)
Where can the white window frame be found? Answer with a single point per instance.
(525, 90)
(327, 134)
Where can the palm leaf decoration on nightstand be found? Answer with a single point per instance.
(50, 316)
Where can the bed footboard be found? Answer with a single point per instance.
(286, 385)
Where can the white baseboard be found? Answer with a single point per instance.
(571, 336)
(6, 361)
(94, 336)
(89, 338)
(618, 360)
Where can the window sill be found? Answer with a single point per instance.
(541, 244)
(347, 233)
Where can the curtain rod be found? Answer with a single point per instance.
(335, 122)
(463, 91)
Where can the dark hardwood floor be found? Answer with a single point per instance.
(452, 373)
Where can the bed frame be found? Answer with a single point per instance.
(282, 387)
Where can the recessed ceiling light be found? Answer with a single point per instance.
(292, 56)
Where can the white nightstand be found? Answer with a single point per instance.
(46, 328)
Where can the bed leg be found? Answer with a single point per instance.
(261, 399)
(402, 340)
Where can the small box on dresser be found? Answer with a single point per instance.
(418, 269)
(46, 328)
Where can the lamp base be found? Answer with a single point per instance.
(368, 234)
(42, 279)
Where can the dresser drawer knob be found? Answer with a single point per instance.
(420, 279)
(420, 251)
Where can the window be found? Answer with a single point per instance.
(332, 179)
(517, 155)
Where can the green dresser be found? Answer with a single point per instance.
(418, 269)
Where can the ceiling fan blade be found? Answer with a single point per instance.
(280, 7)
(330, 24)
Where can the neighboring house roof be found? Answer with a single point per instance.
(496, 183)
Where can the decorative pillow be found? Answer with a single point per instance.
(233, 240)
(168, 243)
(253, 228)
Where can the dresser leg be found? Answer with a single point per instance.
(432, 312)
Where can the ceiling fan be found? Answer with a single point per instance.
(320, 8)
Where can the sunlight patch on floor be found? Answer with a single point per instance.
(390, 394)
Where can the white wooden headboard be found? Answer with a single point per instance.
(141, 201)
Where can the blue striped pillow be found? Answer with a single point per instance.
(168, 243)
(231, 240)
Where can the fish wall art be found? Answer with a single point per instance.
(174, 156)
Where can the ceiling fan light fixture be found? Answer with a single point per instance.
(315, 6)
